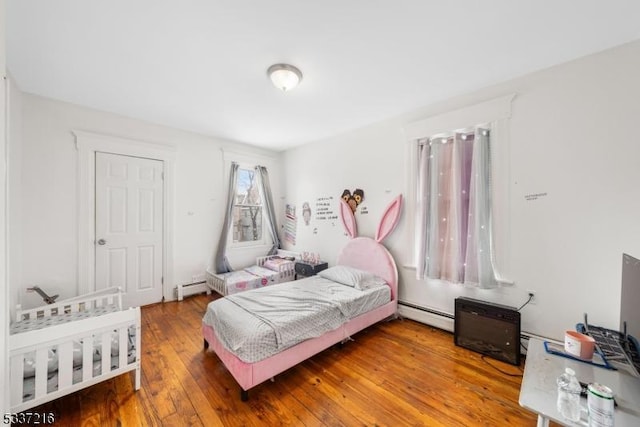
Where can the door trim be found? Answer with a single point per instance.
(87, 143)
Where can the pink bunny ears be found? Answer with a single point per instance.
(387, 224)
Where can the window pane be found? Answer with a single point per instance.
(247, 212)
(247, 192)
(247, 223)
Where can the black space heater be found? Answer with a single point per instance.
(488, 328)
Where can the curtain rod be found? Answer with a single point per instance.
(447, 136)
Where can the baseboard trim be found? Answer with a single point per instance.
(191, 289)
(427, 316)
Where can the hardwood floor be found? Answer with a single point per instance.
(395, 373)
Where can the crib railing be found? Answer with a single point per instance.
(104, 297)
(110, 333)
(286, 271)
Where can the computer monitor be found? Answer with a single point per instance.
(630, 299)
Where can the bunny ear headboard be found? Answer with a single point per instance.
(368, 254)
(348, 220)
(389, 219)
(387, 224)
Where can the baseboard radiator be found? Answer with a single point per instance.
(185, 290)
(427, 316)
(446, 322)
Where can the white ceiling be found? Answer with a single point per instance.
(200, 65)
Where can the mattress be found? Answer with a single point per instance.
(258, 324)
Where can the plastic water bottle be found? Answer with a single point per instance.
(569, 395)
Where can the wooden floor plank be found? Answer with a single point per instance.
(394, 373)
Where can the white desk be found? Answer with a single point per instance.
(538, 391)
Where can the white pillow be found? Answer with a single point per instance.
(353, 277)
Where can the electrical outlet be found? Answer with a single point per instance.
(534, 300)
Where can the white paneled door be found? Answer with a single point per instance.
(129, 228)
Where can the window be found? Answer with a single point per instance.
(454, 216)
(459, 174)
(247, 209)
(249, 217)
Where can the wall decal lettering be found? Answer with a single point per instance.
(534, 196)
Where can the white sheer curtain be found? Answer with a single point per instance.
(453, 217)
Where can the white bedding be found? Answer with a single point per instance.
(258, 324)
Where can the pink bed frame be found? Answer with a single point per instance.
(360, 252)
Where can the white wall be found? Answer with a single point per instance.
(14, 155)
(573, 135)
(4, 288)
(49, 186)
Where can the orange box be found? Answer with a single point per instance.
(579, 345)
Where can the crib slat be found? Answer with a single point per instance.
(42, 356)
(65, 364)
(138, 348)
(123, 347)
(17, 383)
(87, 358)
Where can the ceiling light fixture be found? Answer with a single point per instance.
(284, 76)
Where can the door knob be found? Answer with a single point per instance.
(102, 242)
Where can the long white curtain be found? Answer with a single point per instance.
(453, 216)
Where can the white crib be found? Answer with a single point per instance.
(60, 348)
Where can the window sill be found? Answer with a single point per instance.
(250, 247)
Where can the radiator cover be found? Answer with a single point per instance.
(488, 328)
